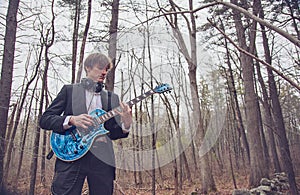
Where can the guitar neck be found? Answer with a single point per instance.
(114, 112)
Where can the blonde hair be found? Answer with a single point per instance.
(98, 59)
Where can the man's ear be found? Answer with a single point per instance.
(87, 70)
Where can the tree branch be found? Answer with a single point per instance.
(261, 21)
(254, 57)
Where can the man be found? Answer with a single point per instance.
(71, 108)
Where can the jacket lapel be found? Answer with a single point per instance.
(104, 99)
(78, 99)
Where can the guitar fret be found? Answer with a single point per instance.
(132, 102)
(102, 118)
(113, 112)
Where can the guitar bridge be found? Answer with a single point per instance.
(73, 136)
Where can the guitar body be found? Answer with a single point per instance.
(74, 143)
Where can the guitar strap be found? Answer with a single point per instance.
(109, 101)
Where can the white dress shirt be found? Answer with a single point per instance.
(93, 101)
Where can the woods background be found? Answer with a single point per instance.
(231, 119)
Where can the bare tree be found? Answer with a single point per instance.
(234, 98)
(47, 41)
(24, 136)
(6, 76)
(257, 163)
(207, 179)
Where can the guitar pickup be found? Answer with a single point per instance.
(73, 136)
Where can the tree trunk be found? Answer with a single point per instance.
(85, 34)
(48, 42)
(257, 164)
(6, 77)
(36, 143)
(24, 137)
(286, 160)
(234, 99)
(207, 179)
(17, 119)
(269, 123)
(11, 123)
(75, 37)
(44, 145)
(112, 47)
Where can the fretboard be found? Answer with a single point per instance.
(105, 117)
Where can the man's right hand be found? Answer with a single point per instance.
(83, 121)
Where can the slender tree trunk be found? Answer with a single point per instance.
(17, 119)
(152, 116)
(230, 156)
(262, 134)
(85, 34)
(24, 137)
(187, 105)
(11, 123)
(269, 120)
(233, 95)
(284, 149)
(112, 47)
(48, 42)
(183, 157)
(44, 144)
(140, 158)
(207, 179)
(287, 164)
(36, 143)
(75, 37)
(175, 121)
(135, 136)
(6, 77)
(269, 124)
(286, 160)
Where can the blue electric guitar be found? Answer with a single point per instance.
(74, 143)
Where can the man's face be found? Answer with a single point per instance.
(97, 74)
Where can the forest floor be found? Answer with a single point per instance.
(224, 185)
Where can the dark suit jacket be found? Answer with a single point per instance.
(71, 101)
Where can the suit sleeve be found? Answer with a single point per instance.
(52, 118)
(114, 125)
